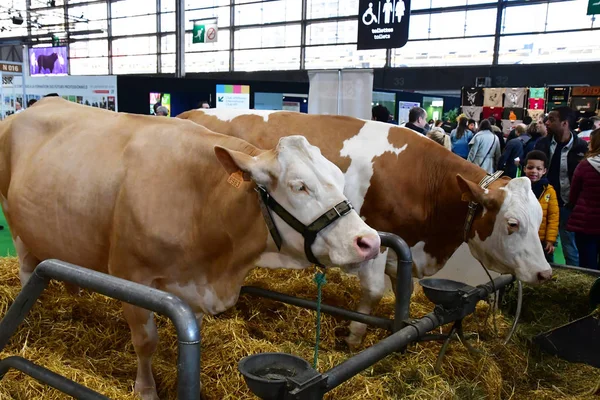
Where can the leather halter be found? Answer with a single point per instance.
(309, 232)
(484, 184)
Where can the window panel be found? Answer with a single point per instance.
(167, 63)
(126, 8)
(134, 45)
(451, 24)
(468, 51)
(568, 15)
(207, 62)
(529, 18)
(49, 17)
(267, 59)
(167, 44)
(167, 5)
(331, 8)
(332, 32)
(79, 1)
(419, 27)
(167, 22)
(454, 3)
(221, 13)
(194, 4)
(263, 37)
(88, 66)
(92, 12)
(550, 48)
(135, 64)
(89, 26)
(43, 4)
(268, 12)
(134, 25)
(221, 44)
(343, 56)
(481, 22)
(88, 48)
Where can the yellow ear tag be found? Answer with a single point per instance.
(236, 179)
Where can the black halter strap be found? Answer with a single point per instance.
(473, 206)
(308, 232)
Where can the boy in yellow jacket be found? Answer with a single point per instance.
(535, 169)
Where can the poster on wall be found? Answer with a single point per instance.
(94, 91)
(383, 24)
(404, 108)
(233, 96)
(163, 99)
(291, 106)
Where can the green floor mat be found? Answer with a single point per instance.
(7, 247)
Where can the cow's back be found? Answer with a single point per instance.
(81, 179)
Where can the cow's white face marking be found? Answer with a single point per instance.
(514, 246)
(226, 115)
(307, 185)
(370, 142)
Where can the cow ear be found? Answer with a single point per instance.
(470, 191)
(235, 162)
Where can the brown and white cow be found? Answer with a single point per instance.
(149, 200)
(402, 182)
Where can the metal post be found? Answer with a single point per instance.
(180, 38)
(498, 32)
(339, 96)
(188, 333)
(404, 284)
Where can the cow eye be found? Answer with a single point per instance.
(513, 225)
(299, 187)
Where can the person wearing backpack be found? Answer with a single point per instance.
(510, 160)
(485, 148)
(460, 138)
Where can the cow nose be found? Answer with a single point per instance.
(367, 246)
(544, 276)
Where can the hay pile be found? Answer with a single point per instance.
(87, 340)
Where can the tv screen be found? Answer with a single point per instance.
(48, 61)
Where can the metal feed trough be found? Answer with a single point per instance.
(268, 375)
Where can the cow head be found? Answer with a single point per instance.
(307, 185)
(504, 238)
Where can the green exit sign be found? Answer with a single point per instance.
(593, 7)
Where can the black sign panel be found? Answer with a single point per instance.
(383, 24)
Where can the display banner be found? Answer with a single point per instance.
(233, 96)
(383, 24)
(95, 91)
(342, 92)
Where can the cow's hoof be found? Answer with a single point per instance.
(147, 393)
(353, 342)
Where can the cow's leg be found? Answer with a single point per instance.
(27, 261)
(372, 281)
(144, 336)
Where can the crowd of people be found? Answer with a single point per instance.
(558, 153)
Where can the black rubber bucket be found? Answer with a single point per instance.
(266, 373)
(445, 292)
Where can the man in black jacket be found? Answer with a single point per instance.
(417, 119)
(564, 151)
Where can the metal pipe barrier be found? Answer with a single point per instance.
(188, 333)
(403, 292)
(316, 385)
(593, 272)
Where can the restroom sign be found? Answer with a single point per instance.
(383, 24)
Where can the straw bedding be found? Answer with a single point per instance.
(86, 339)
